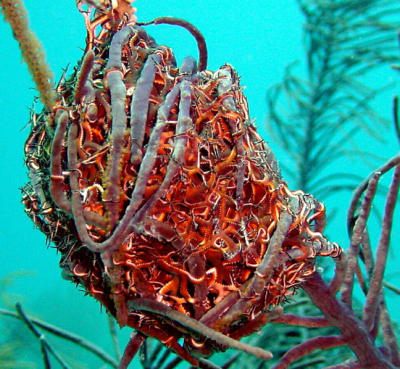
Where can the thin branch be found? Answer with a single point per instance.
(391, 287)
(307, 347)
(155, 351)
(143, 356)
(46, 359)
(303, 321)
(361, 280)
(131, 349)
(346, 366)
(207, 364)
(231, 361)
(357, 236)
(45, 346)
(307, 364)
(396, 117)
(353, 330)
(340, 273)
(389, 335)
(362, 187)
(366, 254)
(375, 288)
(80, 341)
(114, 336)
(163, 358)
(173, 364)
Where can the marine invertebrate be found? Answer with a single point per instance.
(178, 205)
(163, 200)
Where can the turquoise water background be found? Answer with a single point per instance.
(259, 38)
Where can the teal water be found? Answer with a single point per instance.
(259, 38)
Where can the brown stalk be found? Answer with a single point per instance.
(32, 50)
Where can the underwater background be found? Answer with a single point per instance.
(260, 39)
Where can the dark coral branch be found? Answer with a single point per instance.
(391, 287)
(172, 364)
(354, 332)
(389, 335)
(45, 346)
(303, 321)
(360, 277)
(46, 359)
(161, 360)
(346, 366)
(307, 347)
(363, 186)
(80, 341)
(396, 117)
(207, 364)
(131, 349)
(114, 336)
(374, 292)
(231, 361)
(357, 236)
(367, 254)
(340, 273)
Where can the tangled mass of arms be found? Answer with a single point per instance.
(161, 197)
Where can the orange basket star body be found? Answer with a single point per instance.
(154, 184)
